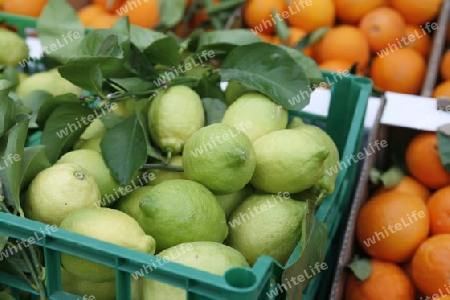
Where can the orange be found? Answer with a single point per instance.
(200, 16)
(102, 21)
(258, 14)
(321, 13)
(423, 161)
(338, 66)
(116, 5)
(351, 11)
(332, 46)
(417, 40)
(266, 38)
(417, 11)
(89, 13)
(391, 226)
(439, 208)
(411, 186)
(401, 71)
(143, 13)
(442, 90)
(382, 26)
(431, 266)
(386, 281)
(24, 7)
(445, 66)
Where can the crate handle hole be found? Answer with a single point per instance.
(240, 277)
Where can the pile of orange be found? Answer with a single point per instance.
(405, 230)
(389, 39)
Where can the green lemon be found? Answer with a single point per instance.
(267, 225)
(125, 108)
(210, 257)
(58, 191)
(288, 160)
(174, 115)
(255, 115)
(178, 211)
(93, 162)
(235, 90)
(108, 225)
(129, 204)
(326, 184)
(295, 122)
(100, 290)
(14, 49)
(163, 175)
(91, 144)
(219, 157)
(95, 130)
(230, 201)
(50, 81)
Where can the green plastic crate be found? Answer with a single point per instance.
(344, 123)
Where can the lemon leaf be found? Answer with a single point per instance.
(226, 40)
(444, 145)
(361, 267)
(144, 37)
(270, 70)
(214, 110)
(8, 112)
(207, 88)
(6, 296)
(33, 162)
(313, 250)
(164, 51)
(171, 12)
(50, 104)
(3, 241)
(312, 38)
(11, 151)
(142, 107)
(124, 149)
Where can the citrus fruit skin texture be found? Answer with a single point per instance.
(442, 90)
(100, 290)
(129, 203)
(92, 161)
(219, 149)
(235, 90)
(386, 281)
(411, 186)
(229, 202)
(320, 14)
(14, 48)
(391, 226)
(164, 175)
(288, 160)
(430, 265)
(255, 115)
(258, 11)
(211, 257)
(295, 122)
(108, 225)
(417, 12)
(351, 11)
(50, 81)
(174, 115)
(58, 191)
(439, 208)
(267, 224)
(178, 211)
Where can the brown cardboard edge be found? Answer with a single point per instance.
(361, 194)
(438, 47)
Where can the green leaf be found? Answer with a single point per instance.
(143, 37)
(3, 241)
(312, 38)
(142, 107)
(63, 127)
(314, 241)
(164, 51)
(111, 119)
(6, 296)
(5, 87)
(11, 74)
(122, 26)
(34, 101)
(125, 143)
(312, 70)
(281, 28)
(361, 267)
(8, 111)
(171, 12)
(33, 162)
(141, 65)
(443, 135)
(208, 88)
(60, 31)
(96, 78)
(48, 106)
(11, 151)
(214, 110)
(134, 84)
(270, 70)
(226, 40)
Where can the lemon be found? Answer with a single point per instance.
(50, 81)
(125, 108)
(58, 191)
(230, 201)
(95, 130)
(100, 290)
(129, 204)
(178, 211)
(235, 90)
(288, 160)
(14, 48)
(174, 115)
(267, 225)
(108, 225)
(255, 115)
(219, 157)
(93, 162)
(295, 122)
(326, 184)
(211, 257)
(91, 144)
(163, 175)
